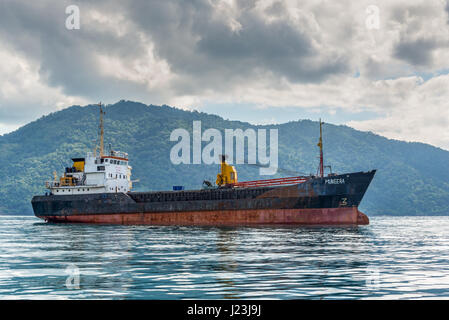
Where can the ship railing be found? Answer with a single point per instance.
(57, 184)
(271, 182)
(51, 184)
(119, 154)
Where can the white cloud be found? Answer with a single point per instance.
(420, 112)
(23, 94)
(292, 53)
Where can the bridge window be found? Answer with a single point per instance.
(100, 168)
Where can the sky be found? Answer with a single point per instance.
(380, 66)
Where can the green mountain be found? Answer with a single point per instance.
(412, 178)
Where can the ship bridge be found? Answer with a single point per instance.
(98, 172)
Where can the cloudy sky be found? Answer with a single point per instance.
(374, 65)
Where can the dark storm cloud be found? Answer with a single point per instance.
(197, 43)
(195, 40)
(277, 47)
(416, 52)
(447, 10)
(413, 47)
(66, 57)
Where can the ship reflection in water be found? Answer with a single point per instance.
(391, 258)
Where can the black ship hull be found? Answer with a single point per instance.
(328, 200)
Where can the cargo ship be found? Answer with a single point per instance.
(98, 189)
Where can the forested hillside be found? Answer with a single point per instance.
(412, 178)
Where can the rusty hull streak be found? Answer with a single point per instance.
(328, 216)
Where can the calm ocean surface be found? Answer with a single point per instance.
(392, 258)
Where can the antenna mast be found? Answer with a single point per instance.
(101, 130)
(320, 144)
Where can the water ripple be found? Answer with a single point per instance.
(394, 257)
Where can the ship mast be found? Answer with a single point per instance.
(101, 131)
(320, 144)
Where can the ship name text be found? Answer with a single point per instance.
(335, 181)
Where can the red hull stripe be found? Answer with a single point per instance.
(331, 216)
(270, 182)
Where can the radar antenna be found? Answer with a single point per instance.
(101, 131)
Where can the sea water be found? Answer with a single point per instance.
(392, 258)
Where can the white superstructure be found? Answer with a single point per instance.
(96, 173)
